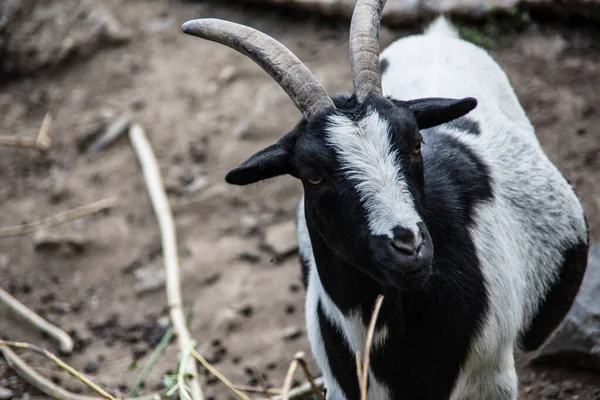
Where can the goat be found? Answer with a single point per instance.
(429, 186)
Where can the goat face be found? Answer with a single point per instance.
(362, 172)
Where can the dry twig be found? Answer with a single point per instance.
(303, 390)
(42, 142)
(64, 340)
(57, 219)
(363, 369)
(45, 385)
(164, 216)
(287, 384)
(21, 345)
(114, 130)
(216, 373)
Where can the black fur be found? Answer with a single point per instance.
(383, 65)
(340, 356)
(467, 125)
(559, 299)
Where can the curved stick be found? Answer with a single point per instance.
(64, 340)
(160, 203)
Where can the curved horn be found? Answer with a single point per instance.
(364, 47)
(279, 62)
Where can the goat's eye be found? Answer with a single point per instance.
(315, 180)
(417, 148)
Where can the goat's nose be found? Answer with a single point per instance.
(405, 240)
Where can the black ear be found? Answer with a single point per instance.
(267, 163)
(433, 111)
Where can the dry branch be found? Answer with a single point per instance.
(114, 130)
(363, 370)
(216, 373)
(21, 345)
(57, 219)
(286, 391)
(64, 340)
(164, 216)
(45, 385)
(303, 390)
(42, 142)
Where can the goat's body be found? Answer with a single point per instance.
(510, 246)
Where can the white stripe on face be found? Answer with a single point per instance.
(369, 161)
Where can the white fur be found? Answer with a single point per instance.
(441, 26)
(369, 162)
(520, 248)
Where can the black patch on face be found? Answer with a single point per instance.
(341, 360)
(466, 124)
(559, 299)
(383, 65)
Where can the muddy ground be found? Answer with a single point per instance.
(206, 108)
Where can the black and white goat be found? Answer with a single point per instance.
(477, 241)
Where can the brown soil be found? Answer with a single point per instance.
(206, 108)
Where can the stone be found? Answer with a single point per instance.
(51, 241)
(291, 333)
(281, 239)
(36, 34)
(228, 320)
(577, 340)
(5, 393)
(149, 278)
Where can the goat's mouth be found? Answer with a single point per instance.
(403, 269)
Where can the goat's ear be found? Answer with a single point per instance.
(267, 163)
(433, 111)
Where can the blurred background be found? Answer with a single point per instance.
(94, 67)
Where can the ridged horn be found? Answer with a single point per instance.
(364, 47)
(284, 67)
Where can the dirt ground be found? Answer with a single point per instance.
(205, 108)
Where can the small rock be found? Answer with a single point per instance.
(149, 279)
(577, 340)
(246, 310)
(249, 225)
(292, 333)
(551, 392)
(5, 393)
(52, 241)
(4, 260)
(227, 320)
(281, 239)
(88, 134)
(211, 279)
(249, 256)
(227, 74)
(91, 368)
(290, 309)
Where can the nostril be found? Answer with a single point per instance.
(404, 240)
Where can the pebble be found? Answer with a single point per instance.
(227, 320)
(247, 310)
(149, 278)
(5, 393)
(292, 333)
(551, 392)
(290, 309)
(281, 239)
(91, 368)
(249, 256)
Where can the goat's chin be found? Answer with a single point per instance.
(410, 282)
